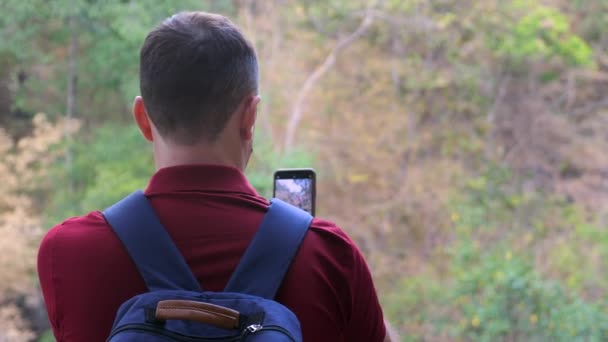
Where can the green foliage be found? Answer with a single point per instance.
(490, 288)
(47, 337)
(580, 267)
(542, 34)
(498, 295)
(332, 13)
(114, 163)
(266, 159)
(414, 304)
(497, 292)
(109, 35)
(489, 197)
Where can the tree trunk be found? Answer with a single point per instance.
(71, 88)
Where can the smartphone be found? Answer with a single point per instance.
(296, 187)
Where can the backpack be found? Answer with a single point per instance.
(177, 309)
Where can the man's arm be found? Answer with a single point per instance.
(45, 273)
(366, 321)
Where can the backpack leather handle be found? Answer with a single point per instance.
(206, 313)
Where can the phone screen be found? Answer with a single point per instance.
(296, 187)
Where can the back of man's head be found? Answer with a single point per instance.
(195, 69)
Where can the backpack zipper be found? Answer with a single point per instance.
(255, 328)
(249, 330)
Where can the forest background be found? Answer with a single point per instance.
(461, 143)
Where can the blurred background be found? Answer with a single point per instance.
(461, 143)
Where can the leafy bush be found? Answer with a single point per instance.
(415, 305)
(115, 162)
(494, 284)
(499, 295)
(542, 33)
(497, 290)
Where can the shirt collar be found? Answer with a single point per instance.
(212, 178)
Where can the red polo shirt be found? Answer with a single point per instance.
(212, 213)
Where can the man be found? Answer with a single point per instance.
(199, 83)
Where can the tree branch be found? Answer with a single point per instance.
(298, 108)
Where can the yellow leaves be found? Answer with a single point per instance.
(19, 231)
(533, 318)
(357, 178)
(508, 256)
(35, 148)
(475, 322)
(446, 20)
(454, 217)
(300, 11)
(21, 166)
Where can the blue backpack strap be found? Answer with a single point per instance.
(267, 259)
(157, 258)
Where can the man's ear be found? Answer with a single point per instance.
(248, 116)
(141, 118)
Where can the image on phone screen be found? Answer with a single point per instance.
(296, 188)
(297, 192)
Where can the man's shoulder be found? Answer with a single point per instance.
(327, 241)
(77, 233)
(84, 225)
(331, 233)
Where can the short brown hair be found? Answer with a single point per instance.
(195, 69)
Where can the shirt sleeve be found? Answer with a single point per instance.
(85, 275)
(366, 322)
(46, 275)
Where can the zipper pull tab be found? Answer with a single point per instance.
(254, 328)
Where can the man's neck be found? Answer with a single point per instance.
(166, 155)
